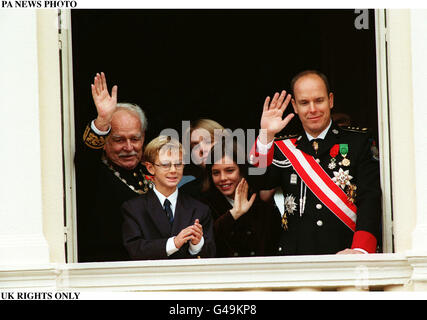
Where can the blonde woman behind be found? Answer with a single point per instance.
(204, 133)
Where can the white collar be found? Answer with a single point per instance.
(322, 135)
(230, 200)
(172, 198)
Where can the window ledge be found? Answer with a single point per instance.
(326, 272)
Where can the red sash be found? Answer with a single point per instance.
(320, 183)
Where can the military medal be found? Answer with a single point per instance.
(328, 189)
(332, 165)
(290, 204)
(344, 150)
(284, 221)
(351, 193)
(290, 207)
(333, 153)
(345, 162)
(342, 178)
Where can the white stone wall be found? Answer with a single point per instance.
(31, 186)
(21, 215)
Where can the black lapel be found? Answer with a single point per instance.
(184, 214)
(304, 145)
(158, 214)
(330, 140)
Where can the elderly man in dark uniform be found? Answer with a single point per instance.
(109, 157)
(328, 174)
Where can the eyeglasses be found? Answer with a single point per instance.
(168, 166)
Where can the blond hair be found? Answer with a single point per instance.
(213, 127)
(161, 143)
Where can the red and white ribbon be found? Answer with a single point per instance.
(320, 183)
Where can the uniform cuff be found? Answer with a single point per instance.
(97, 131)
(92, 137)
(261, 155)
(364, 240)
(263, 148)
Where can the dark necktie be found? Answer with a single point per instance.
(168, 210)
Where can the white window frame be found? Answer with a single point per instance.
(69, 134)
(67, 89)
(384, 129)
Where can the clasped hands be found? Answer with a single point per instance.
(193, 233)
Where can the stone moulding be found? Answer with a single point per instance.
(327, 272)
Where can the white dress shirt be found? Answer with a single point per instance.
(97, 131)
(170, 244)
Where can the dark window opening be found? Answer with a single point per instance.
(220, 64)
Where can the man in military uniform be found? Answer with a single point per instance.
(328, 174)
(109, 158)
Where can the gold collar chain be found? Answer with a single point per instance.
(147, 184)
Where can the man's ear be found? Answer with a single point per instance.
(150, 167)
(331, 100)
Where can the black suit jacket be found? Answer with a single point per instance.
(100, 194)
(146, 228)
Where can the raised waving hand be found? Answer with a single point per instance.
(271, 119)
(105, 104)
(241, 202)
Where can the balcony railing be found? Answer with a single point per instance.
(377, 272)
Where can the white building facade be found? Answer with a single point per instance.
(36, 187)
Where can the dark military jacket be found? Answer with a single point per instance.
(102, 188)
(314, 229)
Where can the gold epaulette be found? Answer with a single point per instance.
(92, 140)
(288, 136)
(355, 129)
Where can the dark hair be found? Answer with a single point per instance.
(233, 151)
(307, 72)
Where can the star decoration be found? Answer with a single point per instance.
(342, 178)
(290, 204)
